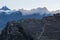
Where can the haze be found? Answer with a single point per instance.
(30, 4)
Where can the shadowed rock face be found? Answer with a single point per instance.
(14, 31)
(26, 29)
(30, 29)
(33, 27)
(52, 27)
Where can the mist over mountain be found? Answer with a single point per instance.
(7, 14)
(37, 10)
(29, 24)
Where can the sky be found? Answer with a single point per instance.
(30, 4)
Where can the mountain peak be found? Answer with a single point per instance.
(44, 8)
(5, 8)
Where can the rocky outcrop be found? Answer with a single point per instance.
(25, 29)
(52, 27)
(33, 27)
(14, 31)
(47, 28)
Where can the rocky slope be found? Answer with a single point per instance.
(52, 27)
(47, 28)
(29, 29)
(14, 31)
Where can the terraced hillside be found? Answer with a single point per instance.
(52, 27)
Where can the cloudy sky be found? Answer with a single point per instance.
(30, 4)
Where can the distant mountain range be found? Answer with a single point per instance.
(7, 14)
